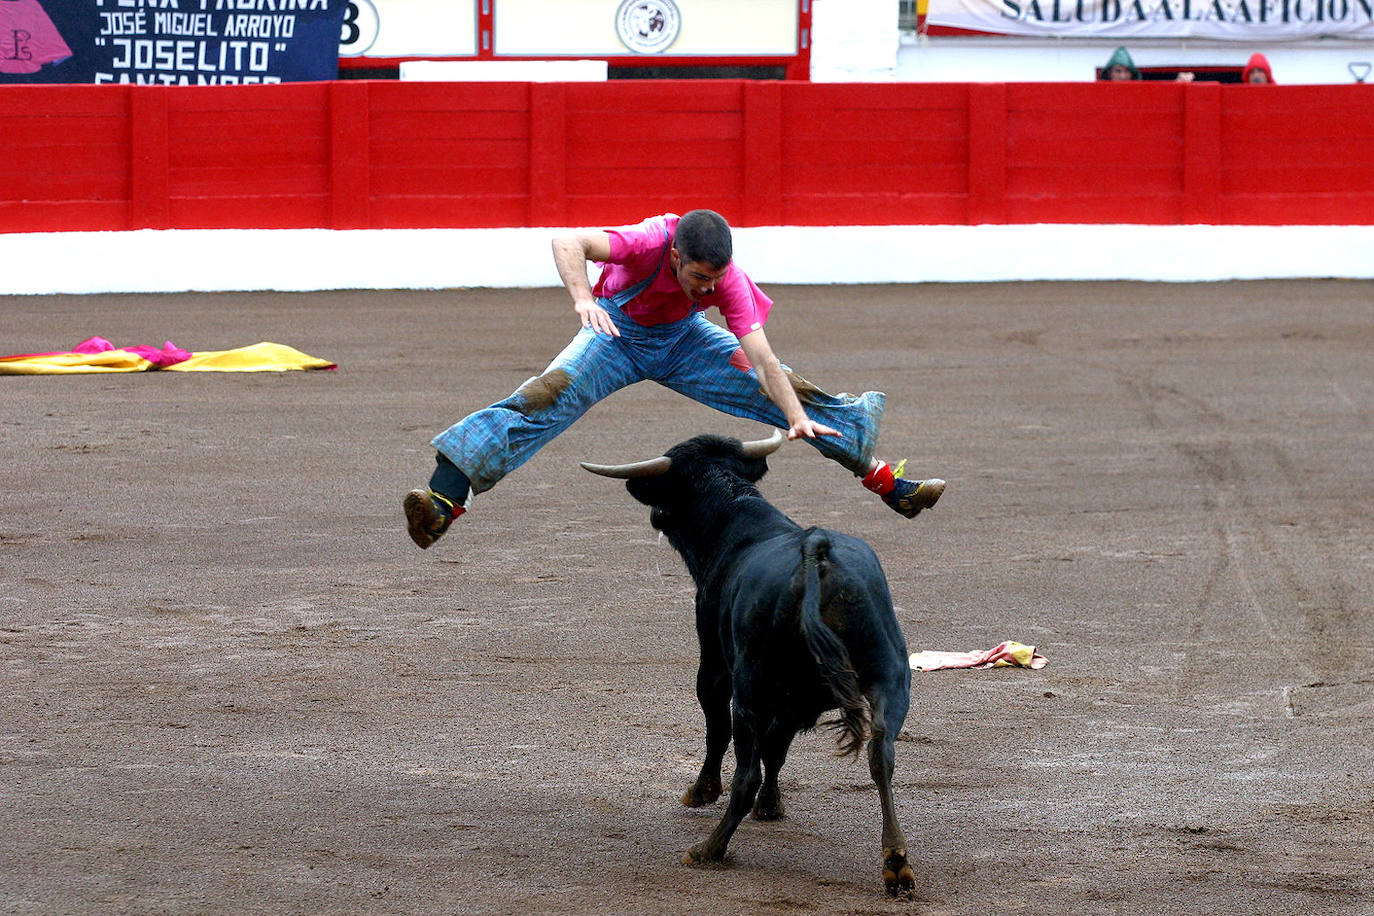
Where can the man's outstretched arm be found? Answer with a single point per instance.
(571, 252)
(779, 389)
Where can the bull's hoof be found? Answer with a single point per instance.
(699, 794)
(898, 877)
(903, 886)
(768, 806)
(700, 854)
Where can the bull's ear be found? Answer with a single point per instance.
(651, 491)
(753, 470)
(755, 455)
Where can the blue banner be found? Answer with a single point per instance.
(170, 42)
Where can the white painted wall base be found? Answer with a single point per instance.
(321, 259)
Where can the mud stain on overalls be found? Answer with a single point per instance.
(542, 391)
(807, 393)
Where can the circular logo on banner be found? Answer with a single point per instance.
(648, 26)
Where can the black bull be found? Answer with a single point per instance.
(792, 623)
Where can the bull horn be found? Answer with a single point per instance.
(649, 468)
(761, 448)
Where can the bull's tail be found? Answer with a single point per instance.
(832, 658)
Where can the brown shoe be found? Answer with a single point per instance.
(428, 516)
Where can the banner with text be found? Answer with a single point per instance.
(1252, 21)
(170, 42)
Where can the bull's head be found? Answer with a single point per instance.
(655, 467)
(694, 491)
(686, 483)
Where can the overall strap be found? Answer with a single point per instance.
(625, 295)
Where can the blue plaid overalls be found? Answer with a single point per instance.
(690, 356)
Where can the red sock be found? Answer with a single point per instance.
(880, 479)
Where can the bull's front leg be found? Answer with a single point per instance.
(713, 692)
(748, 775)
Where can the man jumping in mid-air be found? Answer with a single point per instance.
(643, 320)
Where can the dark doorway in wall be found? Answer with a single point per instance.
(696, 73)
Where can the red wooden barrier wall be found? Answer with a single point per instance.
(356, 154)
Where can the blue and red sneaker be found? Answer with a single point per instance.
(908, 497)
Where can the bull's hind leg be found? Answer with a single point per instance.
(773, 751)
(745, 786)
(889, 712)
(713, 692)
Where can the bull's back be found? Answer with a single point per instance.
(763, 595)
(857, 604)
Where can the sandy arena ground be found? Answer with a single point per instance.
(233, 686)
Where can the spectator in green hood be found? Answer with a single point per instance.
(1120, 66)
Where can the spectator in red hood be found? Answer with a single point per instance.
(1257, 70)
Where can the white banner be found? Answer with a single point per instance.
(703, 28)
(567, 28)
(1253, 21)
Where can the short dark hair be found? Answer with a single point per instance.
(704, 235)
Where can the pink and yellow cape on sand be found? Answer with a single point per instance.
(96, 354)
(1002, 655)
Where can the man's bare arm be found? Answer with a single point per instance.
(779, 389)
(571, 252)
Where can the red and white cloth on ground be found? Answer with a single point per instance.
(1005, 655)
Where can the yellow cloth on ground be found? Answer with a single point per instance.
(260, 357)
(75, 363)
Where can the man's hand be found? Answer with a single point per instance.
(810, 429)
(595, 317)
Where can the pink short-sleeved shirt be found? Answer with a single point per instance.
(636, 250)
